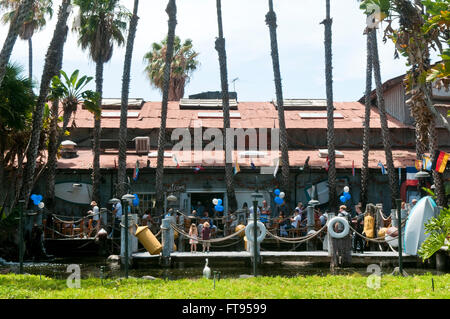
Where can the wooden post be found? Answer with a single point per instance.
(167, 241)
(330, 242)
(342, 252)
(310, 226)
(21, 242)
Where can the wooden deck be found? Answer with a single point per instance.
(315, 257)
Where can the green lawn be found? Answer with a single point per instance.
(342, 287)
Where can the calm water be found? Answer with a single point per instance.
(91, 267)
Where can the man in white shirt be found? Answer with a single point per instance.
(296, 219)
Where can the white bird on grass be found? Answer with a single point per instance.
(207, 270)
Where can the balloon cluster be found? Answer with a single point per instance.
(279, 196)
(37, 200)
(218, 205)
(135, 200)
(346, 196)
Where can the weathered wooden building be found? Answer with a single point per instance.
(193, 177)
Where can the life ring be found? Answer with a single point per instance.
(338, 220)
(249, 232)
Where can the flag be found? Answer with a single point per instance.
(237, 169)
(411, 179)
(418, 164)
(353, 168)
(440, 161)
(276, 168)
(327, 164)
(136, 171)
(383, 170)
(198, 169)
(427, 163)
(253, 165)
(174, 158)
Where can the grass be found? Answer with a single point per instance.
(309, 287)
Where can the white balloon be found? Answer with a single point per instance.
(346, 189)
(215, 201)
(41, 205)
(282, 194)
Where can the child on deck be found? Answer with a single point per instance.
(193, 232)
(206, 233)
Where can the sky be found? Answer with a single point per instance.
(300, 43)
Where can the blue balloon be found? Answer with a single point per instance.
(277, 192)
(219, 208)
(347, 196)
(39, 198)
(33, 196)
(343, 199)
(135, 202)
(219, 202)
(279, 200)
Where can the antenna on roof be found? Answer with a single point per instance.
(234, 83)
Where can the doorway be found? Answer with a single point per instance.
(206, 202)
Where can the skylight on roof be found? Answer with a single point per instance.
(206, 104)
(155, 154)
(303, 104)
(252, 154)
(319, 115)
(116, 114)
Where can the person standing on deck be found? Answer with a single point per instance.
(206, 235)
(358, 241)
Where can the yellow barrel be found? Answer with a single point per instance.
(245, 242)
(148, 240)
(175, 234)
(238, 228)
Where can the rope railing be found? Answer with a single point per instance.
(298, 239)
(214, 240)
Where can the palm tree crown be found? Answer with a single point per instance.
(184, 63)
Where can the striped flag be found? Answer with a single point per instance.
(353, 168)
(237, 169)
(136, 171)
(427, 164)
(411, 179)
(253, 165)
(418, 164)
(327, 164)
(440, 161)
(383, 170)
(174, 158)
(277, 166)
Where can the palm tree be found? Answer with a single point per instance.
(366, 134)
(172, 23)
(13, 32)
(102, 23)
(34, 22)
(330, 110)
(393, 182)
(70, 93)
(124, 104)
(54, 55)
(271, 21)
(16, 106)
(184, 63)
(220, 47)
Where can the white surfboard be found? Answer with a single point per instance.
(74, 192)
(415, 224)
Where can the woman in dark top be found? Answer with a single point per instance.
(206, 235)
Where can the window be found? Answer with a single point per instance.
(324, 153)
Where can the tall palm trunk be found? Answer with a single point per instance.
(271, 21)
(393, 182)
(13, 32)
(124, 105)
(97, 134)
(437, 178)
(172, 13)
(330, 109)
(30, 58)
(54, 54)
(220, 47)
(366, 135)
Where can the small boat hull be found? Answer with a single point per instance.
(415, 224)
(78, 193)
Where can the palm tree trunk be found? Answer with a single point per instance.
(30, 59)
(271, 21)
(124, 105)
(366, 135)
(97, 134)
(172, 13)
(13, 32)
(54, 54)
(393, 182)
(220, 47)
(330, 110)
(437, 177)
